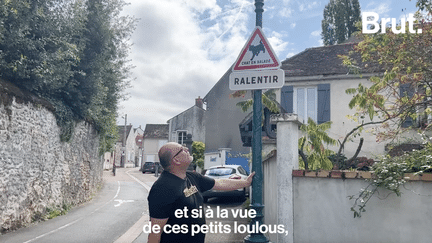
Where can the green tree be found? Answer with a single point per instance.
(312, 150)
(313, 143)
(72, 53)
(268, 100)
(339, 21)
(198, 149)
(404, 91)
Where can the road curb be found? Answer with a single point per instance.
(135, 231)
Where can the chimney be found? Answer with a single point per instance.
(199, 102)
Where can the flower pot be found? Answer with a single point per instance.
(323, 174)
(350, 174)
(336, 174)
(364, 174)
(426, 177)
(412, 177)
(310, 174)
(298, 173)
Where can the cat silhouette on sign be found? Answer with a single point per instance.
(256, 49)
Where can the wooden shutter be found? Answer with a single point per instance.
(287, 98)
(407, 90)
(323, 103)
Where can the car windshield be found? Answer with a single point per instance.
(220, 172)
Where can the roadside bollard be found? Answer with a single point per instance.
(157, 171)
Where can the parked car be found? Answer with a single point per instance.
(224, 172)
(148, 167)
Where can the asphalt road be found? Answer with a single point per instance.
(118, 213)
(121, 203)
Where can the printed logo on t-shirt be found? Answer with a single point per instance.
(190, 191)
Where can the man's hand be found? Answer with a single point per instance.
(250, 177)
(233, 183)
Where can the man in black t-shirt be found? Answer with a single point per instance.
(177, 193)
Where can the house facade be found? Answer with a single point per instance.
(315, 85)
(155, 136)
(191, 121)
(222, 119)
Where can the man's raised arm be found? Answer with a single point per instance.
(232, 184)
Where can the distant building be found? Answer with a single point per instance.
(127, 151)
(155, 136)
(190, 121)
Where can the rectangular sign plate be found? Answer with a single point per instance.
(264, 79)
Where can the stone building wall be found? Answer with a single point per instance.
(37, 170)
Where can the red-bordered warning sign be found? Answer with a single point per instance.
(257, 54)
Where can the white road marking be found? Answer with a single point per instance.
(120, 202)
(136, 229)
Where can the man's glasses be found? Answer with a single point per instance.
(181, 150)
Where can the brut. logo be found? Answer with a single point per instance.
(371, 18)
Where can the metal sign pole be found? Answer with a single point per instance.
(257, 188)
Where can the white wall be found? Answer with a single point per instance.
(215, 158)
(322, 212)
(151, 148)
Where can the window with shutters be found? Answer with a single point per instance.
(306, 102)
(422, 120)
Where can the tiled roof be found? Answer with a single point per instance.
(121, 130)
(156, 131)
(323, 60)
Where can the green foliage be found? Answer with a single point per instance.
(389, 174)
(314, 145)
(424, 5)
(340, 17)
(57, 211)
(51, 212)
(268, 100)
(198, 149)
(71, 53)
(404, 90)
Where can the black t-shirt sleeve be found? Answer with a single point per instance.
(161, 201)
(205, 183)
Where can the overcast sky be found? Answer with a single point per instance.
(181, 48)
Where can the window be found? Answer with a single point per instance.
(305, 102)
(181, 137)
(242, 171)
(311, 101)
(220, 171)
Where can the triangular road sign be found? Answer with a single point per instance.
(257, 54)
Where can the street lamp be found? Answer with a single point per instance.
(122, 162)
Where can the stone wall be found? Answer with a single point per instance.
(37, 170)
